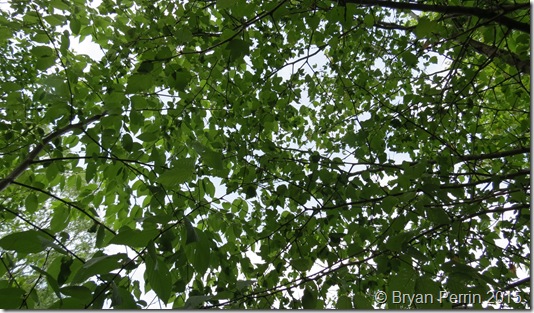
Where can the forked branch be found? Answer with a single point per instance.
(4, 183)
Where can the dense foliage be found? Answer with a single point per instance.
(258, 154)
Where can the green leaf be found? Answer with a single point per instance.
(31, 241)
(51, 281)
(68, 303)
(180, 79)
(122, 299)
(75, 26)
(213, 159)
(301, 264)
(410, 58)
(191, 232)
(309, 299)
(369, 20)
(42, 51)
(5, 33)
(60, 219)
(425, 285)
(225, 4)
(100, 265)
(238, 48)
(149, 136)
(396, 242)
(402, 282)
(55, 19)
(100, 236)
(181, 171)
(12, 298)
(10, 86)
(243, 284)
(201, 259)
(4, 267)
(424, 27)
(59, 4)
(389, 203)
(183, 35)
(31, 203)
(164, 53)
(138, 102)
(65, 43)
(344, 303)
(45, 57)
(354, 249)
(159, 278)
(65, 270)
(133, 237)
(438, 216)
(138, 83)
(51, 172)
(146, 67)
(99, 296)
(80, 292)
(194, 302)
(416, 254)
(361, 302)
(90, 172)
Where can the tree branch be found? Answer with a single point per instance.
(508, 57)
(68, 203)
(449, 9)
(4, 183)
(84, 157)
(44, 231)
(495, 155)
(501, 178)
(517, 283)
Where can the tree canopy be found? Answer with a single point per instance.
(265, 154)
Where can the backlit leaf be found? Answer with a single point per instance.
(134, 237)
(138, 83)
(344, 303)
(60, 219)
(181, 171)
(159, 278)
(100, 265)
(30, 241)
(309, 299)
(11, 298)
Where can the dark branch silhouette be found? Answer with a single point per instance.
(4, 183)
